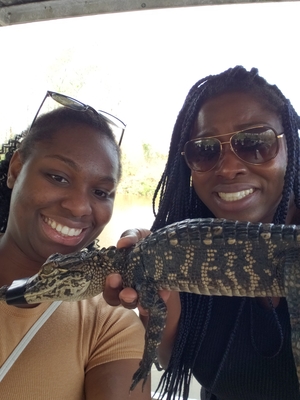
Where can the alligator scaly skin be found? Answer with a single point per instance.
(203, 256)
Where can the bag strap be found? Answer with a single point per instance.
(27, 338)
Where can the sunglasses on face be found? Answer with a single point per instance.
(255, 145)
(77, 105)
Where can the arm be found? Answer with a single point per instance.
(112, 381)
(115, 348)
(114, 295)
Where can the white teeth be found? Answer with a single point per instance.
(235, 196)
(64, 230)
(58, 227)
(72, 232)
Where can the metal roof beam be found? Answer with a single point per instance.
(13, 13)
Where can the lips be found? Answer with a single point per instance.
(234, 196)
(62, 229)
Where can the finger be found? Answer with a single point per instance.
(144, 319)
(128, 298)
(142, 311)
(113, 287)
(132, 236)
(165, 295)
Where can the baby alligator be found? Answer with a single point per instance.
(204, 256)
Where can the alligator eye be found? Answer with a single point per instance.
(47, 269)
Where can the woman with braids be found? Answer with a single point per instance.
(234, 154)
(57, 190)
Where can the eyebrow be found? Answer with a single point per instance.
(75, 166)
(64, 159)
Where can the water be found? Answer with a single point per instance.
(129, 212)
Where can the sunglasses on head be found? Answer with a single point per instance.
(255, 145)
(77, 105)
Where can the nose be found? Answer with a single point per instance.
(78, 203)
(229, 165)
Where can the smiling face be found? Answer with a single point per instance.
(63, 193)
(234, 189)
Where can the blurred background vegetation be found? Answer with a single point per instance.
(141, 173)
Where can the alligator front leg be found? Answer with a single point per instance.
(149, 299)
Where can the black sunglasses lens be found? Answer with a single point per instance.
(77, 105)
(202, 154)
(255, 146)
(68, 102)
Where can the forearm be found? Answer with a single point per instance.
(112, 381)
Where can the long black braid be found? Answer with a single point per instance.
(6, 153)
(44, 127)
(177, 200)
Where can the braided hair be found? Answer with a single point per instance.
(177, 200)
(43, 129)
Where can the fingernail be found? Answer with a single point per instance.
(128, 300)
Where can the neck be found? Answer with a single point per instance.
(14, 264)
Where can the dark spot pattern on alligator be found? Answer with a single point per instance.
(204, 256)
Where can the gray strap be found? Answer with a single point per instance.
(27, 338)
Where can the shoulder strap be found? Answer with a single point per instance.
(27, 338)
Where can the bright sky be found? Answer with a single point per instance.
(140, 65)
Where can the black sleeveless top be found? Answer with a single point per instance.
(259, 363)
